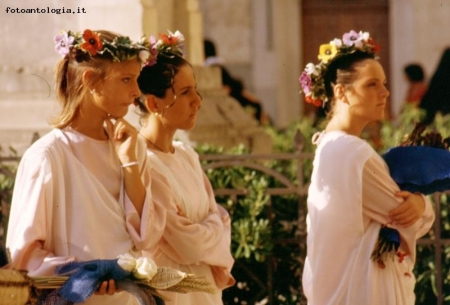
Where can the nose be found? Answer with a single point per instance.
(198, 100)
(136, 92)
(385, 92)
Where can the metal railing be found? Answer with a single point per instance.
(286, 187)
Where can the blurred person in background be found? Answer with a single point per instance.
(437, 97)
(234, 86)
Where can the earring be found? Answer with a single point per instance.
(156, 113)
(92, 91)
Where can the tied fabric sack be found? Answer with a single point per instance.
(420, 169)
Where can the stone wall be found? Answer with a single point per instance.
(259, 40)
(27, 97)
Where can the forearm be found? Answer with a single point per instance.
(134, 187)
(193, 242)
(36, 260)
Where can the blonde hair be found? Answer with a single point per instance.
(70, 89)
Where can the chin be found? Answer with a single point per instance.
(189, 126)
(119, 114)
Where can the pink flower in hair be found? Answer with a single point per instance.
(305, 82)
(63, 43)
(153, 51)
(352, 38)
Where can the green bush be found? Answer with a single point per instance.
(268, 240)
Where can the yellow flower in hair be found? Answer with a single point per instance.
(327, 52)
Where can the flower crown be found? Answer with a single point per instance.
(93, 45)
(168, 45)
(312, 78)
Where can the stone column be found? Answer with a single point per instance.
(149, 17)
(188, 17)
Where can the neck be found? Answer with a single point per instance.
(92, 129)
(345, 125)
(159, 143)
(157, 135)
(90, 121)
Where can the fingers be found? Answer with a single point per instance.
(111, 287)
(409, 211)
(102, 289)
(405, 218)
(120, 130)
(403, 194)
(107, 287)
(406, 222)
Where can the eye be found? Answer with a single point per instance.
(126, 79)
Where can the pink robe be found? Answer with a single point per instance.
(350, 197)
(198, 242)
(69, 204)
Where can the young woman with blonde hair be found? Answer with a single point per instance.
(80, 192)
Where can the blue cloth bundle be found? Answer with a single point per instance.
(86, 277)
(420, 169)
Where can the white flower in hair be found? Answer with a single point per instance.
(178, 35)
(336, 42)
(144, 55)
(365, 35)
(311, 69)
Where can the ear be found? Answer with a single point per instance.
(151, 103)
(87, 79)
(339, 91)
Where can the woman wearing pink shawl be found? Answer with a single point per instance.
(197, 235)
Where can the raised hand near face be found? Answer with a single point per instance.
(124, 137)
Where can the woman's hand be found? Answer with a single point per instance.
(409, 211)
(124, 137)
(107, 287)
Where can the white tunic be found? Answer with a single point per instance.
(69, 204)
(199, 241)
(350, 197)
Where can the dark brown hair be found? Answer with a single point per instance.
(156, 79)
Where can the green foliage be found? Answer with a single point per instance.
(267, 233)
(250, 224)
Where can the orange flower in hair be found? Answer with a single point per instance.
(169, 39)
(168, 46)
(92, 42)
(313, 101)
